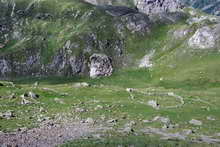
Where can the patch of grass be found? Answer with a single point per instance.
(140, 141)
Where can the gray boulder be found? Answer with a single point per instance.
(4, 68)
(100, 65)
(203, 38)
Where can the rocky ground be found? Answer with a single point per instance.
(50, 113)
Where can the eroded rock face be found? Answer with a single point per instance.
(158, 6)
(204, 38)
(4, 68)
(137, 23)
(101, 65)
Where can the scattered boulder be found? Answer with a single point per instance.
(153, 104)
(98, 107)
(89, 121)
(137, 23)
(210, 118)
(128, 130)
(7, 115)
(203, 38)
(12, 96)
(100, 65)
(4, 67)
(146, 62)
(195, 122)
(164, 120)
(129, 89)
(33, 95)
(81, 85)
(112, 121)
(130, 124)
(25, 101)
(80, 110)
(187, 132)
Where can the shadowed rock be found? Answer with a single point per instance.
(117, 10)
(101, 65)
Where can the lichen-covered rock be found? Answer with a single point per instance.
(203, 38)
(137, 23)
(100, 65)
(158, 6)
(4, 68)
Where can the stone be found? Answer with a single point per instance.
(98, 107)
(187, 132)
(36, 84)
(137, 23)
(89, 121)
(100, 65)
(25, 101)
(153, 104)
(146, 62)
(130, 124)
(112, 121)
(128, 130)
(7, 115)
(80, 110)
(158, 6)
(12, 96)
(4, 67)
(33, 95)
(164, 120)
(146, 121)
(25, 95)
(81, 85)
(203, 38)
(129, 89)
(195, 122)
(210, 118)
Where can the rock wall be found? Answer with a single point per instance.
(158, 6)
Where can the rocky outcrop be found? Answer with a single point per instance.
(4, 68)
(146, 61)
(100, 65)
(203, 38)
(158, 6)
(137, 23)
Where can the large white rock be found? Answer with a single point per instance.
(100, 65)
(146, 62)
(204, 38)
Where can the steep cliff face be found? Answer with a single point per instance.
(158, 6)
(145, 6)
(155, 6)
(57, 38)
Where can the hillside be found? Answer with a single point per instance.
(112, 74)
